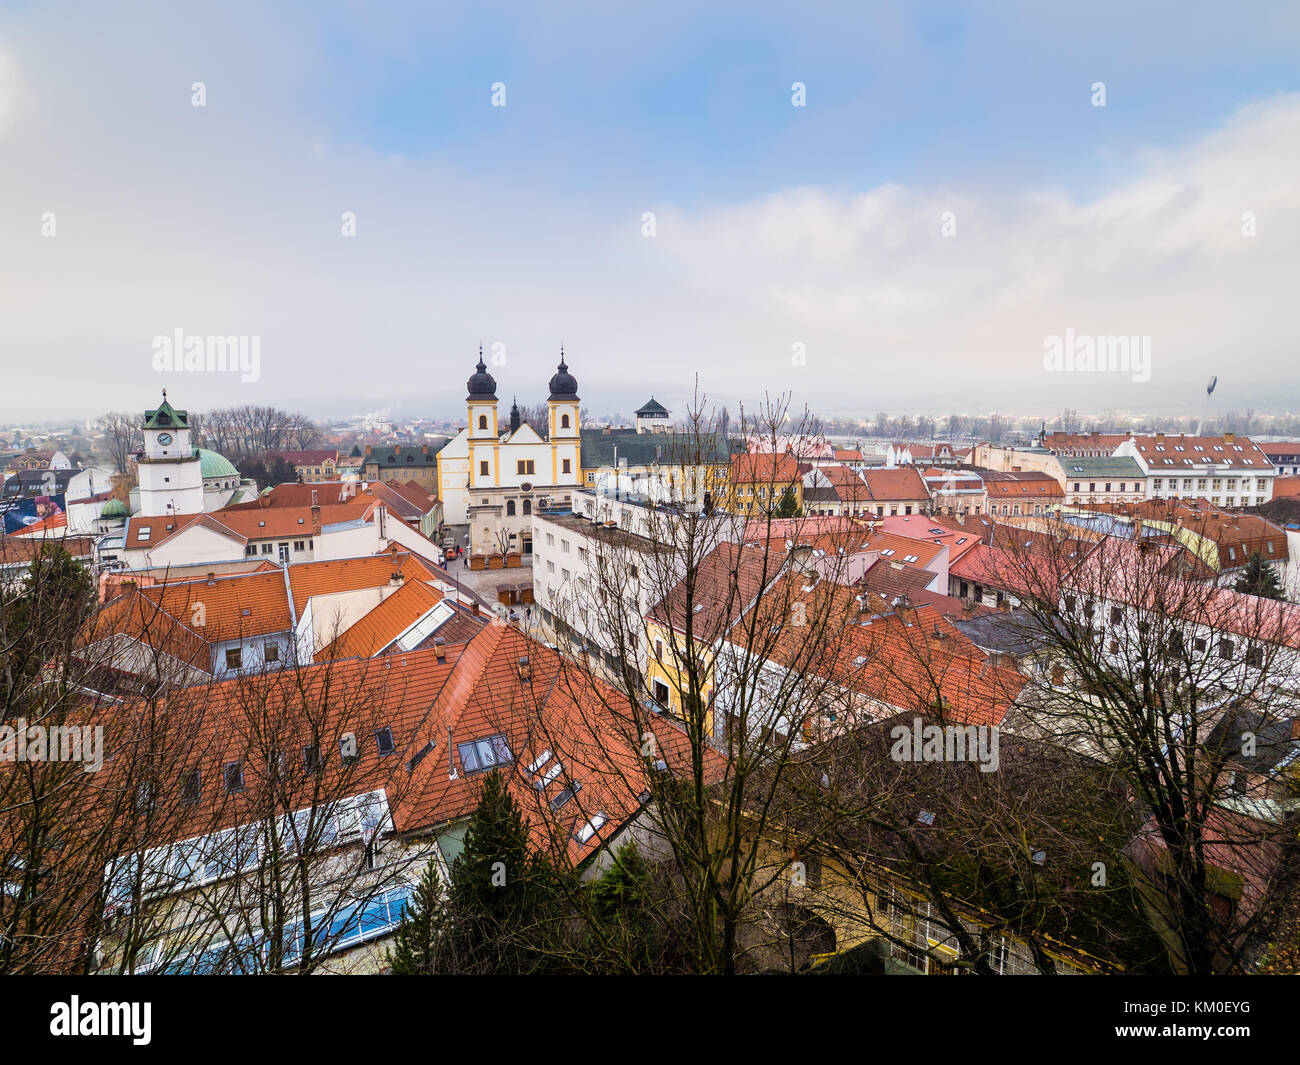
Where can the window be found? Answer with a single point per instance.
(584, 834)
(1255, 657)
(190, 783)
(270, 652)
(300, 545)
(483, 468)
(564, 796)
(510, 508)
(482, 421)
(234, 658)
(528, 506)
(1116, 615)
(564, 421)
(661, 693)
(384, 741)
(234, 777)
(567, 466)
(1225, 649)
(311, 758)
(525, 466)
(267, 548)
(478, 756)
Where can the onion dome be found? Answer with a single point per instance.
(563, 385)
(482, 385)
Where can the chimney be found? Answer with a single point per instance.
(473, 608)
(424, 449)
(315, 518)
(212, 579)
(961, 517)
(903, 608)
(1295, 728)
(440, 649)
(367, 449)
(1160, 438)
(1228, 438)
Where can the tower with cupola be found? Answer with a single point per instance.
(169, 468)
(563, 411)
(483, 437)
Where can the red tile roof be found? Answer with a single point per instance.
(378, 628)
(759, 468)
(902, 484)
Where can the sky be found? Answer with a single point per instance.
(947, 199)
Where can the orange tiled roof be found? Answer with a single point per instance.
(329, 576)
(378, 628)
(762, 468)
(903, 483)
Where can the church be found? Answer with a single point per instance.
(491, 477)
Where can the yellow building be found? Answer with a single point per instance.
(757, 483)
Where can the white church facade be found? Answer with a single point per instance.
(492, 478)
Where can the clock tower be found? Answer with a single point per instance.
(171, 478)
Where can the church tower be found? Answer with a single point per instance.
(169, 469)
(483, 438)
(563, 424)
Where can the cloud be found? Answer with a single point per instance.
(226, 220)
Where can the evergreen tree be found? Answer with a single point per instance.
(1260, 579)
(789, 505)
(632, 931)
(415, 943)
(505, 898)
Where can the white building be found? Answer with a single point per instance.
(1227, 470)
(169, 467)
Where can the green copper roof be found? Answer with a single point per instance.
(213, 465)
(114, 508)
(653, 406)
(641, 449)
(166, 417)
(1111, 466)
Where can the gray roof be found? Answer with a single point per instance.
(1122, 467)
(641, 449)
(653, 406)
(1010, 632)
(1273, 742)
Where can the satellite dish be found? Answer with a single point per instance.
(1210, 387)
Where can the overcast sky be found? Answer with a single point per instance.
(778, 230)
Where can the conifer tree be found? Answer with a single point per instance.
(1260, 579)
(415, 943)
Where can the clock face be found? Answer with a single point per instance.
(164, 439)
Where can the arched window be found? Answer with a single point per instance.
(528, 506)
(564, 421)
(482, 421)
(510, 508)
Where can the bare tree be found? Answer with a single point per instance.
(122, 436)
(1188, 689)
(683, 607)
